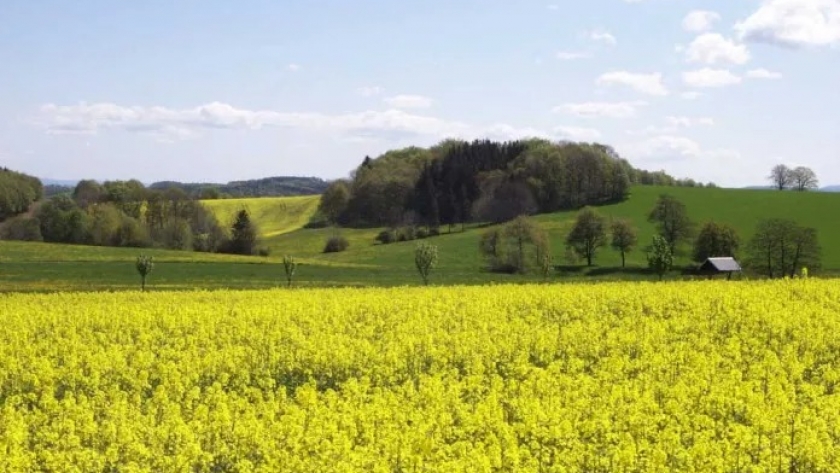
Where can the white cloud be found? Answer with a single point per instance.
(370, 91)
(408, 101)
(670, 147)
(793, 23)
(571, 55)
(711, 48)
(601, 109)
(699, 21)
(294, 67)
(574, 133)
(167, 124)
(692, 95)
(602, 36)
(673, 125)
(183, 123)
(650, 84)
(686, 122)
(708, 78)
(763, 74)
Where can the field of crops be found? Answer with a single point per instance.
(616, 377)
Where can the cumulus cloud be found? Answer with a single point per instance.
(369, 91)
(603, 36)
(408, 101)
(709, 78)
(712, 48)
(691, 95)
(763, 74)
(572, 55)
(575, 133)
(650, 84)
(793, 23)
(698, 21)
(673, 124)
(294, 67)
(674, 148)
(601, 109)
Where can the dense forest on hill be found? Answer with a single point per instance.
(456, 182)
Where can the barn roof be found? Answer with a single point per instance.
(723, 265)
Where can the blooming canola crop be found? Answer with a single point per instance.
(615, 377)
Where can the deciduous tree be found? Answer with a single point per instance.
(588, 234)
(425, 259)
(781, 177)
(782, 248)
(803, 179)
(672, 221)
(660, 256)
(624, 237)
(715, 240)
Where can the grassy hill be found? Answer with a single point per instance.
(740, 208)
(34, 266)
(274, 215)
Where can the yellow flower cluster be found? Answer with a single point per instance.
(625, 377)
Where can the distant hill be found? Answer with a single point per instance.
(59, 182)
(266, 187)
(831, 189)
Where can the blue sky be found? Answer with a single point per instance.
(218, 90)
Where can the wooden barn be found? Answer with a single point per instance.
(716, 266)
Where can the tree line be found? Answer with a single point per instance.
(126, 213)
(18, 191)
(456, 182)
(265, 187)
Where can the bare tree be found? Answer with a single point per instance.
(781, 177)
(803, 179)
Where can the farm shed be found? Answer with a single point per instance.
(714, 266)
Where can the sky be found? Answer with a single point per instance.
(214, 91)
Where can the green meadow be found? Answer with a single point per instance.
(28, 266)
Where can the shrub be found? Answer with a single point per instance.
(336, 244)
(386, 236)
(264, 252)
(176, 235)
(132, 233)
(22, 229)
(518, 247)
(406, 234)
(422, 233)
(434, 231)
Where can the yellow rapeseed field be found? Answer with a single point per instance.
(629, 377)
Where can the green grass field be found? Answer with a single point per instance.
(49, 267)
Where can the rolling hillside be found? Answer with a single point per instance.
(50, 267)
(458, 251)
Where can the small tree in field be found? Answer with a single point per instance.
(546, 265)
(588, 234)
(425, 259)
(144, 266)
(290, 266)
(660, 256)
(623, 238)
